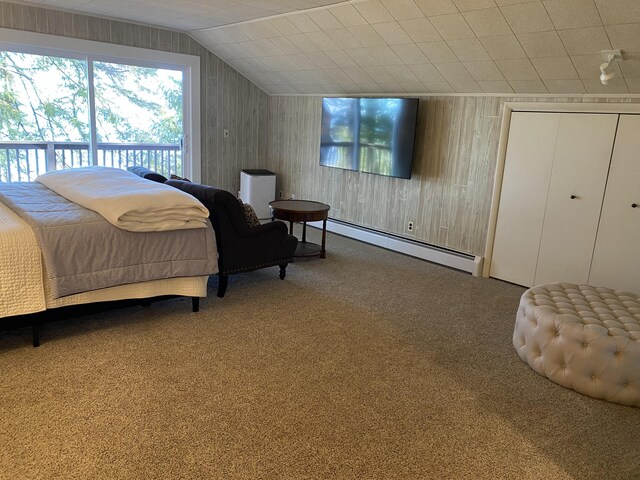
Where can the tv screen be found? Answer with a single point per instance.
(372, 135)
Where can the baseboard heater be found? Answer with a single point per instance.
(450, 258)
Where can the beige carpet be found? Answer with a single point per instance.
(368, 364)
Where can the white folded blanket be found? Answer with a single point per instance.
(126, 200)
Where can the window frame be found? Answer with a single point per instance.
(91, 51)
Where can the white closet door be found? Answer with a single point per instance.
(527, 172)
(578, 179)
(616, 260)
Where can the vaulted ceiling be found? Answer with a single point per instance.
(406, 46)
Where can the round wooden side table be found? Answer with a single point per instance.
(303, 211)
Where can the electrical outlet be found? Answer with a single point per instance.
(225, 133)
(280, 196)
(410, 226)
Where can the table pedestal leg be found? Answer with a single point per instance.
(290, 227)
(324, 239)
(304, 232)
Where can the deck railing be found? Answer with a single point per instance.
(24, 161)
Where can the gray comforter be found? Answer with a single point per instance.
(82, 251)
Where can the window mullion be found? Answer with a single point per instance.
(93, 137)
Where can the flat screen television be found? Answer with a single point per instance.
(371, 135)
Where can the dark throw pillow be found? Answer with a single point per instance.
(249, 214)
(177, 177)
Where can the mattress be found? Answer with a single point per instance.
(23, 289)
(21, 275)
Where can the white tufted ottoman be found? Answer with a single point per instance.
(584, 338)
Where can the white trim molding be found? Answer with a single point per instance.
(460, 261)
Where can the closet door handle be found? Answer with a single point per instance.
(634, 205)
(573, 197)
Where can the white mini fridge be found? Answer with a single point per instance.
(258, 188)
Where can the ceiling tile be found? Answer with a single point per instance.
(413, 87)
(302, 62)
(438, 52)
(402, 9)
(272, 63)
(487, 23)
(392, 33)
(542, 44)
(619, 11)
(402, 73)
(366, 35)
(284, 26)
(466, 5)
(322, 40)
(527, 17)
(517, 69)
(466, 87)
(484, 71)
(379, 74)
(236, 34)
(495, 86)
(504, 47)
(340, 58)
(420, 30)
(409, 53)
(303, 43)
(347, 15)
(373, 11)
(436, 7)
(391, 87)
(631, 65)
(345, 38)
(426, 72)
(362, 57)
(439, 87)
(572, 13)
(324, 19)
(616, 85)
(452, 27)
(287, 63)
(588, 66)
(321, 60)
(357, 75)
(634, 85)
(528, 86)
(385, 55)
(579, 41)
(454, 72)
(565, 86)
(270, 48)
(555, 68)
(468, 49)
(502, 3)
(625, 37)
(303, 23)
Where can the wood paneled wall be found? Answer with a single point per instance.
(228, 100)
(449, 195)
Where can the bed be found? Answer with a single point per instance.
(25, 281)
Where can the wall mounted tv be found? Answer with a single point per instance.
(371, 135)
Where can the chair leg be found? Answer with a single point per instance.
(283, 271)
(223, 280)
(36, 334)
(195, 303)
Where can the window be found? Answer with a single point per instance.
(62, 109)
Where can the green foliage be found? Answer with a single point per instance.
(45, 98)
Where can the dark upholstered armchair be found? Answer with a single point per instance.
(240, 248)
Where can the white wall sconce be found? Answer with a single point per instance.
(609, 56)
